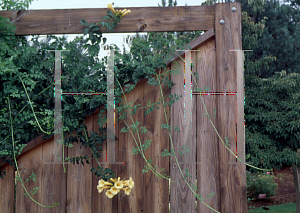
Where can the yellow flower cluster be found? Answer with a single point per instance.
(120, 13)
(116, 187)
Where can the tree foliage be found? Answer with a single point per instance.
(273, 120)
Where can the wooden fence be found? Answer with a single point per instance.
(76, 190)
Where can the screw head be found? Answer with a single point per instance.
(233, 9)
(222, 21)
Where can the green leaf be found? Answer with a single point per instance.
(104, 40)
(106, 17)
(92, 25)
(83, 22)
(110, 13)
(96, 28)
(86, 31)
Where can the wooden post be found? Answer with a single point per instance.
(297, 187)
(228, 34)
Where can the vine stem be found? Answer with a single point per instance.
(140, 150)
(54, 205)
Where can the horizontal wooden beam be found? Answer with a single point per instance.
(141, 19)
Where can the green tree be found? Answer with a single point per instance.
(273, 120)
(273, 99)
(281, 38)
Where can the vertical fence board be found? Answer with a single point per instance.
(240, 107)
(7, 186)
(123, 150)
(232, 175)
(207, 149)
(136, 162)
(28, 164)
(117, 167)
(182, 199)
(189, 141)
(79, 177)
(133, 163)
(156, 189)
(99, 201)
(54, 180)
(194, 126)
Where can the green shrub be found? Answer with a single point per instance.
(260, 184)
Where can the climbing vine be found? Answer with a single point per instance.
(28, 85)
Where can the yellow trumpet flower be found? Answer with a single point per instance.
(109, 194)
(109, 6)
(123, 11)
(127, 190)
(101, 183)
(114, 190)
(119, 184)
(108, 184)
(113, 180)
(100, 189)
(126, 12)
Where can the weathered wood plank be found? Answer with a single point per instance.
(30, 163)
(79, 177)
(54, 180)
(156, 19)
(240, 107)
(181, 197)
(208, 170)
(136, 162)
(7, 186)
(125, 145)
(100, 203)
(228, 36)
(207, 144)
(116, 167)
(156, 189)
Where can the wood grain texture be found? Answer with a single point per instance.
(100, 202)
(79, 177)
(135, 162)
(7, 186)
(54, 180)
(240, 107)
(28, 164)
(232, 176)
(181, 197)
(157, 19)
(156, 197)
(207, 144)
(125, 145)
